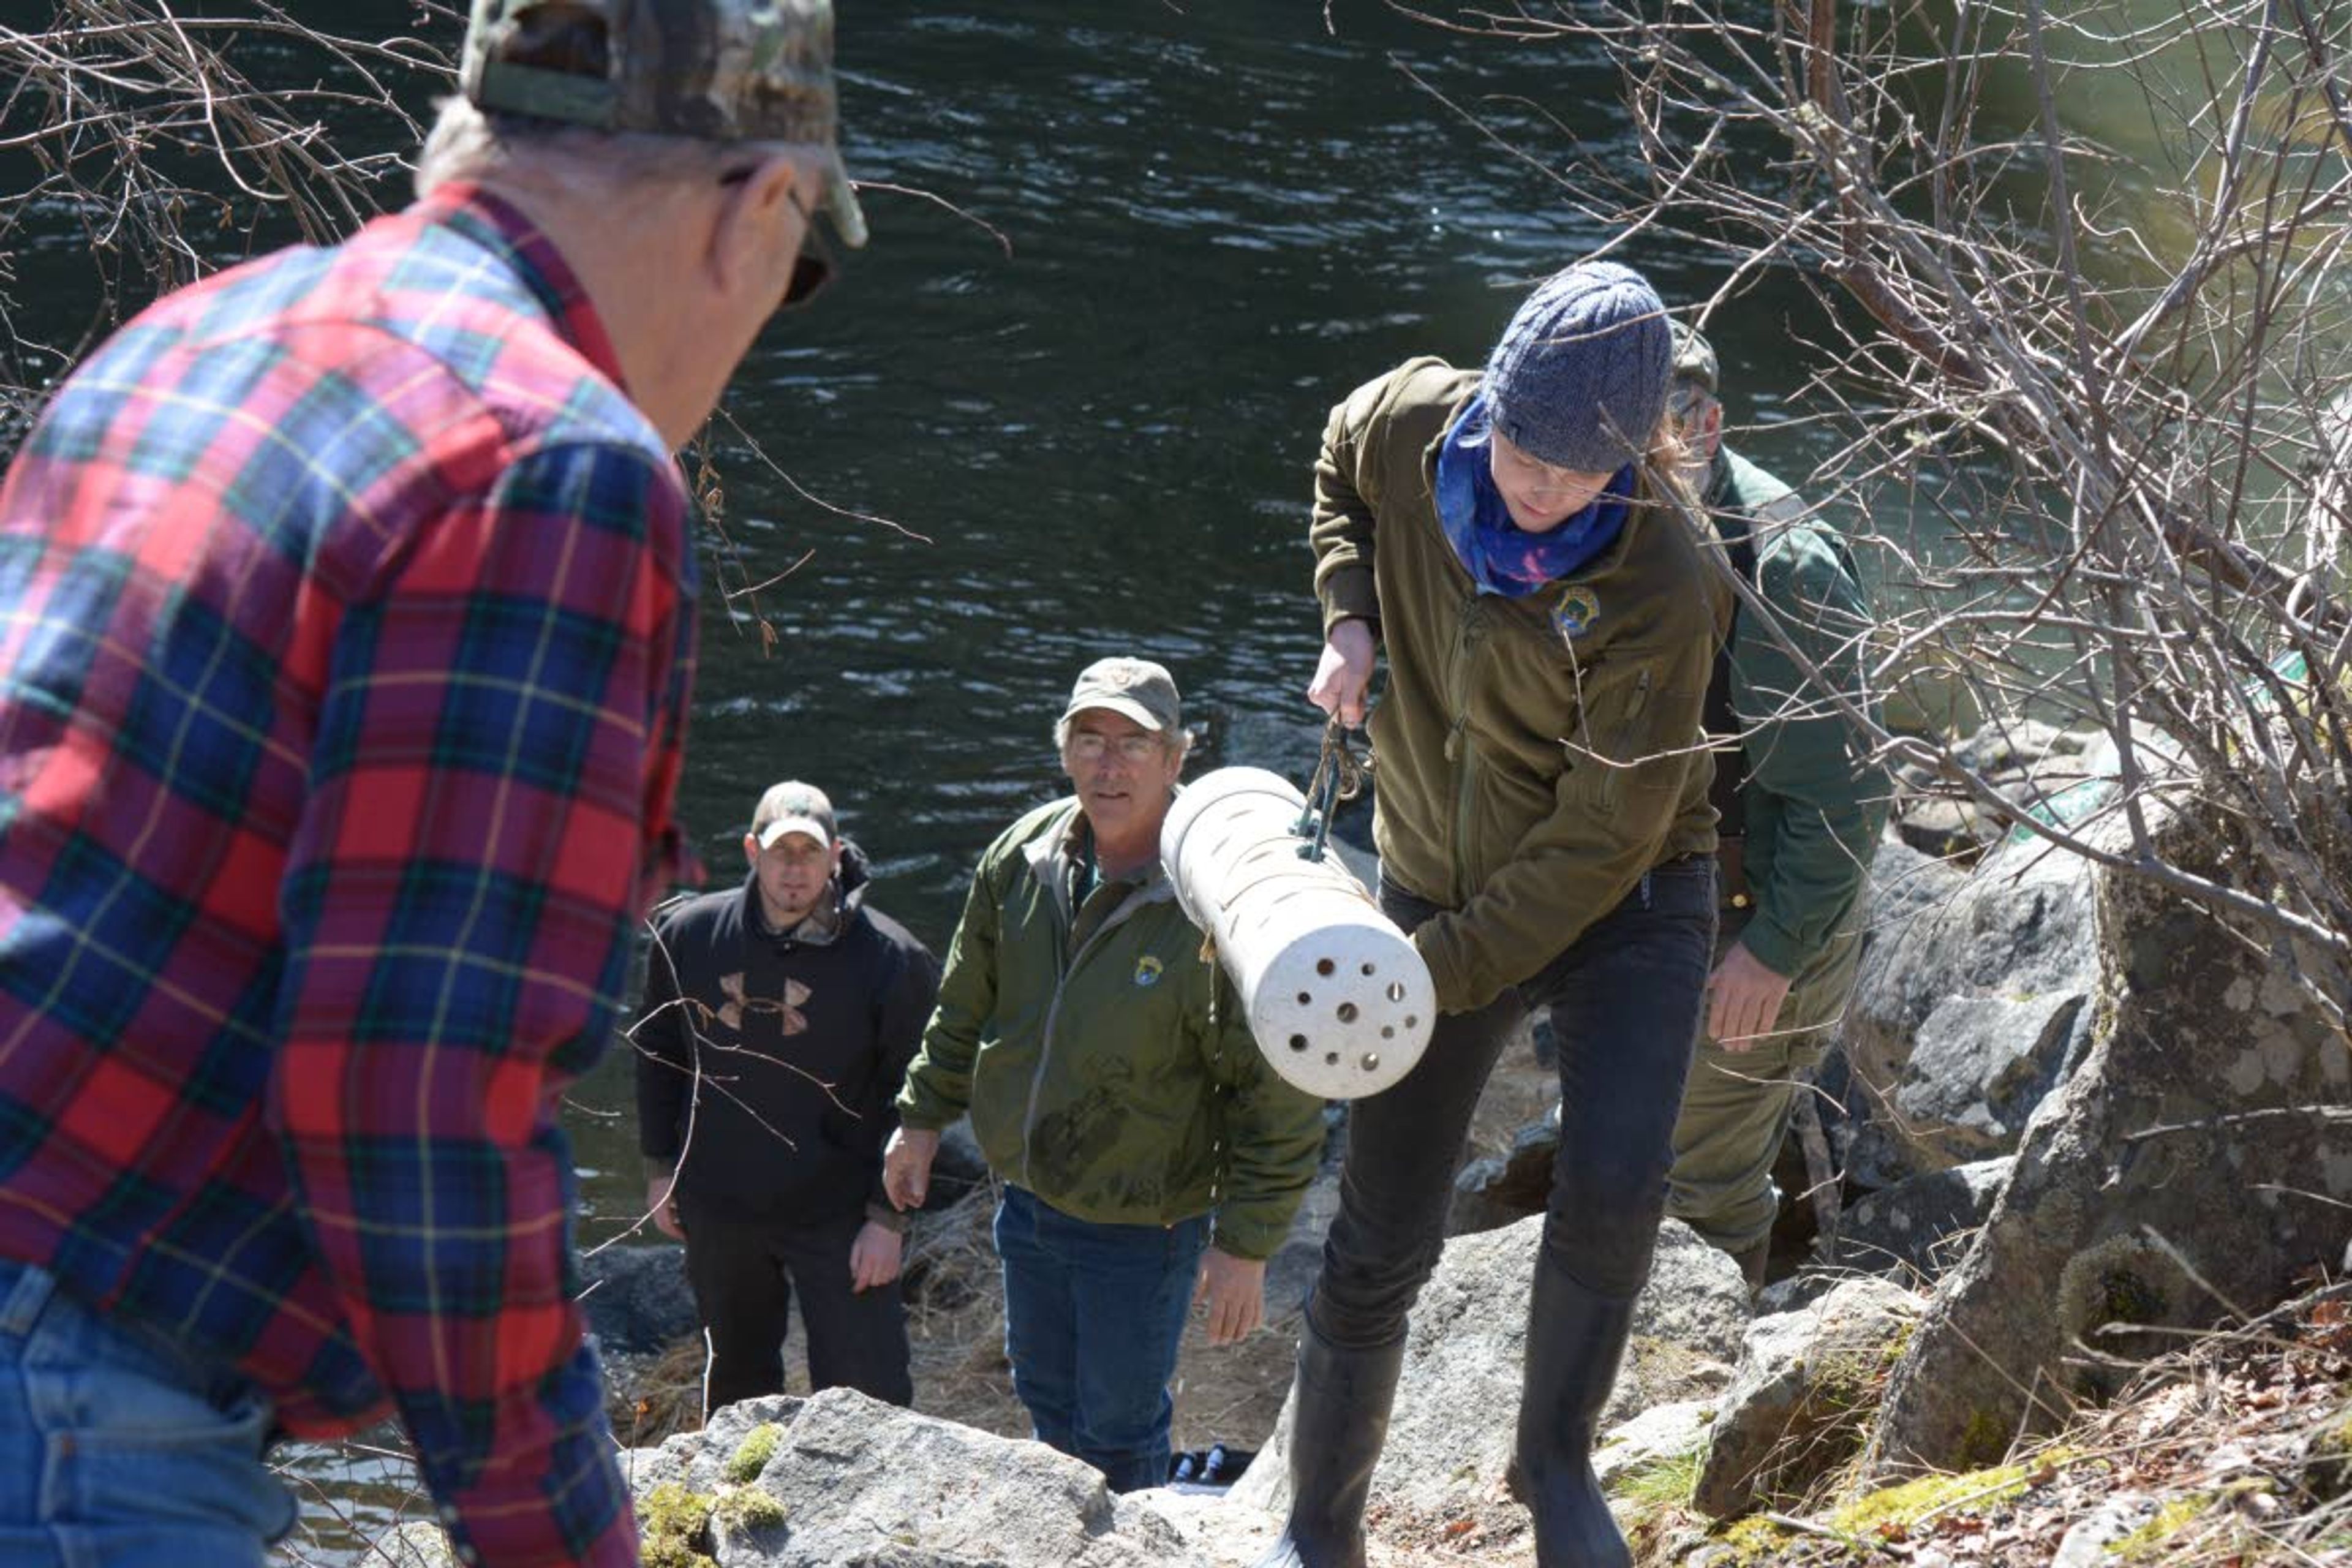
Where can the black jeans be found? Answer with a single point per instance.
(743, 1277)
(1626, 1002)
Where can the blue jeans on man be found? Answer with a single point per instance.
(118, 1448)
(1093, 1315)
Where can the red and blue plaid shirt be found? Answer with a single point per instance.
(346, 636)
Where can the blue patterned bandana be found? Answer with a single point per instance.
(1502, 557)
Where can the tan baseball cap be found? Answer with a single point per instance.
(1135, 688)
(793, 807)
(717, 70)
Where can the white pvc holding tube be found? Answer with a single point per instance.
(1338, 1000)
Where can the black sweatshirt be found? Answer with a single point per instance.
(771, 1061)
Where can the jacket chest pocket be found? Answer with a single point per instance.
(1636, 765)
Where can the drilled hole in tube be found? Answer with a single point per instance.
(1371, 1061)
(1370, 968)
(1410, 1022)
(1305, 997)
(1298, 1042)
(1389, 1033)
(1396, 990)
(1325, 966)
(1346, 1012)
(1330, 1058)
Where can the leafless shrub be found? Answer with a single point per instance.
(174, 142)
(2114, 370)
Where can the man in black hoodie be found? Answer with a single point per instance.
(778, 1022)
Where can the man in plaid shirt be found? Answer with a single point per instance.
(346, 636)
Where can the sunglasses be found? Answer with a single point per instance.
(816, 266)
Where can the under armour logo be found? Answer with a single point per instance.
(730, 1012)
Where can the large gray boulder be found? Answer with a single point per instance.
(698, 1461)
(846, 1480)
(1914, 1232)
(2193, 1165)
(1799, 1407)
(1456, 1406)
(1971, 1001)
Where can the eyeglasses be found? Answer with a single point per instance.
(1087, 746)
(816, 265)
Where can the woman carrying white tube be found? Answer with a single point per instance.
(1544, 835)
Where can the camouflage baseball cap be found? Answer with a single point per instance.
(717, 70)
(1694, 358)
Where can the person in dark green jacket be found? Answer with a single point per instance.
(1545, 836)
(1802, 813)
(1148, 1153)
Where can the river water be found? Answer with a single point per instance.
(1220, 218)
(1077, 416)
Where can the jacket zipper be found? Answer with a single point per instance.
(1118, 917)
(1470, 631)
(1627, 736)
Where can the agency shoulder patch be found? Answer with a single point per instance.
(1578, 607)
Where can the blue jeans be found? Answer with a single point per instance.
(1625, 1000)
(118, 1450)
(1092, 1317)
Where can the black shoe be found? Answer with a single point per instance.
(1216, 1466)
(1225, 1466)
(1575, 1341)
(1337, 1426)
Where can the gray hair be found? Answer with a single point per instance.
(1179, 741)
(465, 143)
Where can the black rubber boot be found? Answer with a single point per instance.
(1575, 1340)
(1335, 1431)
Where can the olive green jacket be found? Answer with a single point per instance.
(1535, 756)
(1814, 807)
(1105, 1062)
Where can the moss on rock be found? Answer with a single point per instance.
(749, 1509)
(1751, 1541)
(674, 1529)
(1984, 1438)
(2170, 1520)
(751, 1456)
(1905, 1505)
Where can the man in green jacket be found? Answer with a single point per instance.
(1148, 1155)
(1801, 813)
(1545, 836)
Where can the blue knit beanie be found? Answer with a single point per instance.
(1579, 379)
